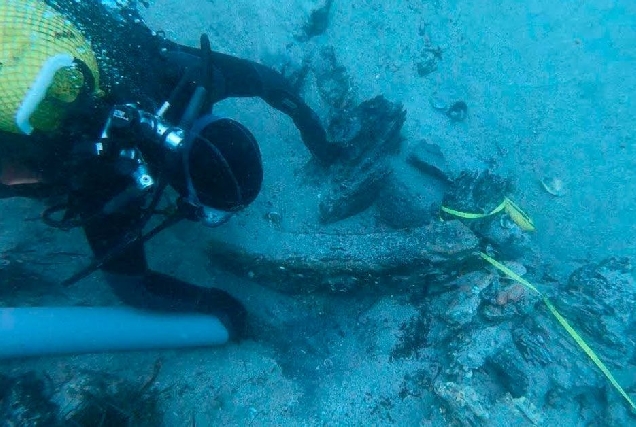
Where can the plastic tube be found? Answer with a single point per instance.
(38, 331)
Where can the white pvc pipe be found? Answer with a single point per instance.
(37, 331)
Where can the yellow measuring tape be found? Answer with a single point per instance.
(516, 214)
(579, 340)
(525, 223)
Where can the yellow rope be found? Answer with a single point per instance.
(570, 330)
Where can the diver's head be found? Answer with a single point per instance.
(223, 166)
(46, 63)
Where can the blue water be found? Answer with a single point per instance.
(446, 340)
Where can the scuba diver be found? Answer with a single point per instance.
(98, 105)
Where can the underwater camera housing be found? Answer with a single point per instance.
(215, 165)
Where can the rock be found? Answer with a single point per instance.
(456, 302)
(413, 196)
(334, 83)
(617, 414)
(427, 62)
(25, 400)
(429, 160)
(528, 410)
(479, 192)
(600, 298)
(371, 133)
(470, 282)
(459, 308)
(465, 404)
(505, 299)
(482, 345)
(114, 401)
(511, 371)
(531, 346)
(408, 200)
(500, 231)
(318, 21)
(562, 375)
(335, 263)
(353, 191)
(450, 104)
(371, 130)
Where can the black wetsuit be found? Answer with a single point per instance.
(149, 75)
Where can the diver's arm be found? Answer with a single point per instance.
(162, 293)
(236, 77)
(137, 286)
(247, 78)
(276, 90)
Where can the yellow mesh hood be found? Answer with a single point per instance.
(37, 79)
